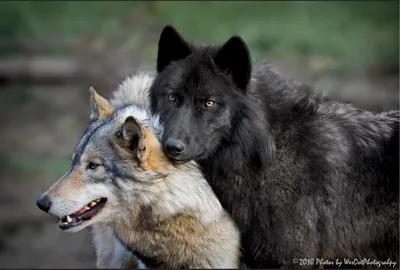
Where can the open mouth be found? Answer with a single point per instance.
(86, 213)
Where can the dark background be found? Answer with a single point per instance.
(51, 52)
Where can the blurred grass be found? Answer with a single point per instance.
(355, 33)
(358, 34)
(31, 166)
(66, 19)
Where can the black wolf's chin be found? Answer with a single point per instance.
(177, 159)
(184, 158)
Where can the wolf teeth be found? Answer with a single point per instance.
(69, 219)
(86, 208)
(92, 204)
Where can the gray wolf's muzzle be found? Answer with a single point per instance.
(44, 203)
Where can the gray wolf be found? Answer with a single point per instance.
(121, 183)
(302, 176)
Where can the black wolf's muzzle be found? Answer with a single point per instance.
(174, 147)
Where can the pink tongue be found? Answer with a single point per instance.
(80, 212)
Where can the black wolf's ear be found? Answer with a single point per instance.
(133, 135)
(234, 58)
(101, 108)
(171, 47)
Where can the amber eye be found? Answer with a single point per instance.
(92, 166)
(209, 104)
(172, 98)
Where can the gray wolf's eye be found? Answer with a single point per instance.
(119, 134)
(172, 98)
(92, 166)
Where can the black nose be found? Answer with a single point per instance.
(44, 203)
(174, 147)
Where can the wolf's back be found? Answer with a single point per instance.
(134, 90)
(392, 148)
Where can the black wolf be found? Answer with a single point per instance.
(303, 177)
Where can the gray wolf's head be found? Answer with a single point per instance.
(116, 161)
(199, 93)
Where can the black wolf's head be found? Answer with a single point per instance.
(198, 93)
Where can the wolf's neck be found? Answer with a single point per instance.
(183, 192)
(190, 192)
(184, 203)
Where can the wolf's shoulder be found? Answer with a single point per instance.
(375, 135)
(133, 90)
(336, 122)
(350, 115)
(288, 96)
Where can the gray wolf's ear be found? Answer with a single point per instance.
(234, 58)
(101, 108)
(171, 47)
(133, 135)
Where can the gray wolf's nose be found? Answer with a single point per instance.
(174, 147)
(44, 203)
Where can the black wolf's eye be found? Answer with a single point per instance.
(209, 104)
(92, 166)
(172, 98)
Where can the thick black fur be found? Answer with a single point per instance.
(303, 177)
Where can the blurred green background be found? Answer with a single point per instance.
(51, 52)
